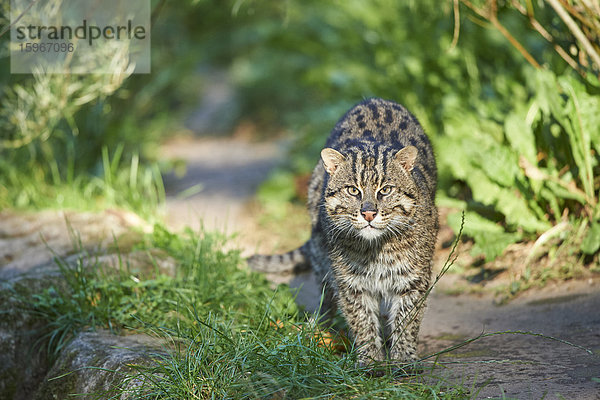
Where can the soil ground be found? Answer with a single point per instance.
(516, 365)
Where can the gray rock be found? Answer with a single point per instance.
(28, 244)
(94, 364)
(23, 365)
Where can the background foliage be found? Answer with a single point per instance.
(512, 114)
(507, 90)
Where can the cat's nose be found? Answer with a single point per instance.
(368, 211)
(369, 215)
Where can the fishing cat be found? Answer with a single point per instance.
(374, 222)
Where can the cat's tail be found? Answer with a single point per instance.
(294, 261)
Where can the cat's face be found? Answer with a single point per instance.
(370, 195)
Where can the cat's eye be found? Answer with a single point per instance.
(384, 191)
(353, 191)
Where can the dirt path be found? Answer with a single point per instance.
(519, 366)
(221, 176)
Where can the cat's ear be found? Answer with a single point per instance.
(331, 159)
(407, 157)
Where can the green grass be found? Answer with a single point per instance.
(145, 288)
(217, 361)
(228, 333)
(119, 183)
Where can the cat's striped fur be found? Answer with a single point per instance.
(374, 227)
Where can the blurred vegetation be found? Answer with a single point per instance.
(90, 141)
(507, 90)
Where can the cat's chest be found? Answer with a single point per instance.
(383, 276)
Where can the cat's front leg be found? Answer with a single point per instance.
(361, 310)
(406, 311)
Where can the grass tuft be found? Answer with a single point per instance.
(216, 360)
(227, 333)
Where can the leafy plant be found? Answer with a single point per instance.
(536, 170)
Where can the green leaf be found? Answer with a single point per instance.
(483, 189)
(507, 201)
(588, 107)
(520, 136)
(561, 191)
(548, 94)
(591, 242)
(499, 163)
(517, 213)
(443, 200)
(490, 238)
(551, 198)
(447, 160)
(491, 245)
(578, 116)
(474, 223)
